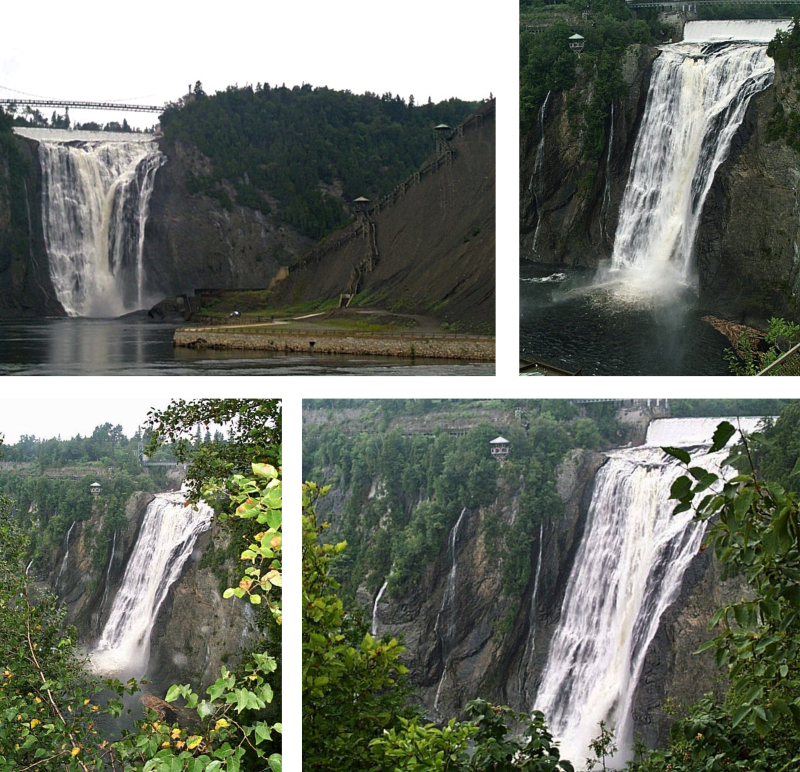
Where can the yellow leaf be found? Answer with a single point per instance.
(35, 723)
(221, 724)
(176, 733)
(193, 742)
(76, 751)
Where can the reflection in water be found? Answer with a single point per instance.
(573, 323)
(136, 347)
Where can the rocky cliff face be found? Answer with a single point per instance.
(25, 286)
(748, 244)
(569, 204)
(747, 249)
(192, 241)
(465, 640)
(196, 630)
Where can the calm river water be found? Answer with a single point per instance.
(132, 347)
(564, 322)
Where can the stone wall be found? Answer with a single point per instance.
(478, 349)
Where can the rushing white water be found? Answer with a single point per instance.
(607, 192)
(95, 204)
(166, 539)
(628, 570)
(375, 609)
(698, 96)
(752, 30)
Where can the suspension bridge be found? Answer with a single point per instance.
(84, 105)
(692, 4)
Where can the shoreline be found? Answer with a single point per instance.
(434, 346)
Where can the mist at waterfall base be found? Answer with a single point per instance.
(697, 99)
(628, 570)
(566, 321)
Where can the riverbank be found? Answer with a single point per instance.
(409, 345)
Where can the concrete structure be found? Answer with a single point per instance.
(95, 488)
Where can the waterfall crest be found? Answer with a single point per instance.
(166, 539)
(698, 96)
(95, 204)
(628, 570)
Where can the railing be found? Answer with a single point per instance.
(786, 364)
(85, 105)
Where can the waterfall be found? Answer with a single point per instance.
(448, 603)
(375, 609)
(28, 567)
(607, 192)
(530, 643)
(698, 96)
(66, 555)
(537, 168)
(108, 575)
(629, 568)
(95, 204)
(166, 539)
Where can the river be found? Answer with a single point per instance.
(76, 346)
(565, 320)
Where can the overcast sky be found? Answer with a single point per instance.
(53, 417)
(151, 52)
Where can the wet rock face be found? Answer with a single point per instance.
(196, 632)
(192, 241)
(570, 204)
(25, 286)
(476, 643)
(479, 644)
(748, 245)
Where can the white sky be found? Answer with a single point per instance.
(150, 53)
(53, 417)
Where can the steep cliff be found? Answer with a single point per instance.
(196, 631)
(569, 204)
(192, 241)
(24, 277)
(747, 249)
(426, 248)
(465, 639)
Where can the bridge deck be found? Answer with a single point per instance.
(84, 105)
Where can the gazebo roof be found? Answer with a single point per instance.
(360, 200)
(576, 36)
(95, 485)
(499, 441)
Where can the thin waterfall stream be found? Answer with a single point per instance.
(628, 570)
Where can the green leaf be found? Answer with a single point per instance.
(740, 714)
(276, 762)
(681, 488)
(678, 453)
(722, 435)
(174, 692)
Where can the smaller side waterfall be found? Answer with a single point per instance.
(166, 540)
(530, 643)
(66, 555)
(448, 605)
(108, 575)
(536, 177)
(375, 609)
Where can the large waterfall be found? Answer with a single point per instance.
(628, 570)
(698, 96)
(95, 203)
(166, 539)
